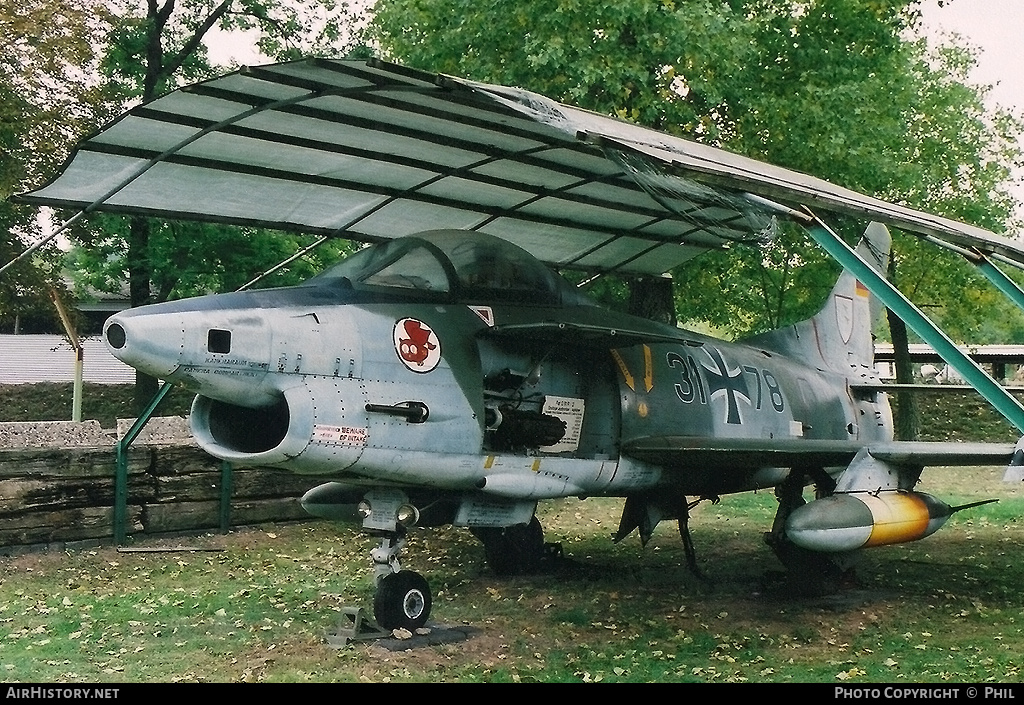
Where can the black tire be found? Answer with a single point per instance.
(514, 550)
(402, 601)
(811, 573)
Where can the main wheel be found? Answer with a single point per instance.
(513, 550)
(402, 601)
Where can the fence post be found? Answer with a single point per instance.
(121, 468)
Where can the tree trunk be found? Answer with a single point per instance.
(907, 421)
(139, 276)
(651, 298)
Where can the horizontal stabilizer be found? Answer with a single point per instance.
(1015, 470)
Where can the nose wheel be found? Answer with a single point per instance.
(403, 599)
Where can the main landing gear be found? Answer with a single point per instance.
(516, 550)
(808, 573)
(403, 599)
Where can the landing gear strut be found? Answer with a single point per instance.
(684, 534)
(403, 599)
(809, 573)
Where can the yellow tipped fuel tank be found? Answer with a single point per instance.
(848, 521)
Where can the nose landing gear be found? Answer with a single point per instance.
(403, 599)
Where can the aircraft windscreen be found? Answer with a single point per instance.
(406, 263)
(471, 266)
(488, 267)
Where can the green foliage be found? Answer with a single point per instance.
(190, 259)
(884, 116)
(131, 45)
(23, 288)
(46, 65)
(44, 98)
(834, 89)
(153, 48)
(822, 92)
(765, 287)
(656, 63)
(73, 67)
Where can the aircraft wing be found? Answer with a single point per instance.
(371, 151)
(573, 333)
(687, 452)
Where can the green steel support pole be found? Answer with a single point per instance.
(121, 468)
(999, 279)
(987, 267)
(120, 494)
(1010, 289)
(891, 297)
(225, 496)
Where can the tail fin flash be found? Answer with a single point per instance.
(838, 337)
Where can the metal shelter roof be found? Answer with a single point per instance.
(372, 151)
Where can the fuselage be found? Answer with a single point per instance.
(517, 387)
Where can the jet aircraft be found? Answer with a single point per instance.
(448, 374)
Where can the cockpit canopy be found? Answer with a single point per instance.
(454, 264)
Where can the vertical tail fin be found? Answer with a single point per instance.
(838, 337)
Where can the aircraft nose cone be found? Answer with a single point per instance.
(150, 342)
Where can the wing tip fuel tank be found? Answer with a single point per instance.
(848, 521)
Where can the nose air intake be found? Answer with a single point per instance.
(240, 429)
(116, 337)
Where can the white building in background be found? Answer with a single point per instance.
(27, 359)
(1004, 362)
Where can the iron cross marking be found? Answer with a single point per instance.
(719, 378)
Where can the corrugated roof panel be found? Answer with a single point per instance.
(563, 244)
(295, 146)
(405, 217)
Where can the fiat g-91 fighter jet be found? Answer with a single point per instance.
(450, 378)
(447, 374)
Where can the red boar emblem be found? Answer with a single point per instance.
(416, 344)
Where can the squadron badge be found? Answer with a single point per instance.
(416, 344)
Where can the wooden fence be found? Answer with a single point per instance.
(57, 485)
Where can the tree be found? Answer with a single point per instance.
(45, 95)
(884, 116)
(655, 63)
(195, 258)
(762, 77)
(828, 88)
(22, 291)
(832, 88)
(154, 48)
(163, 47)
